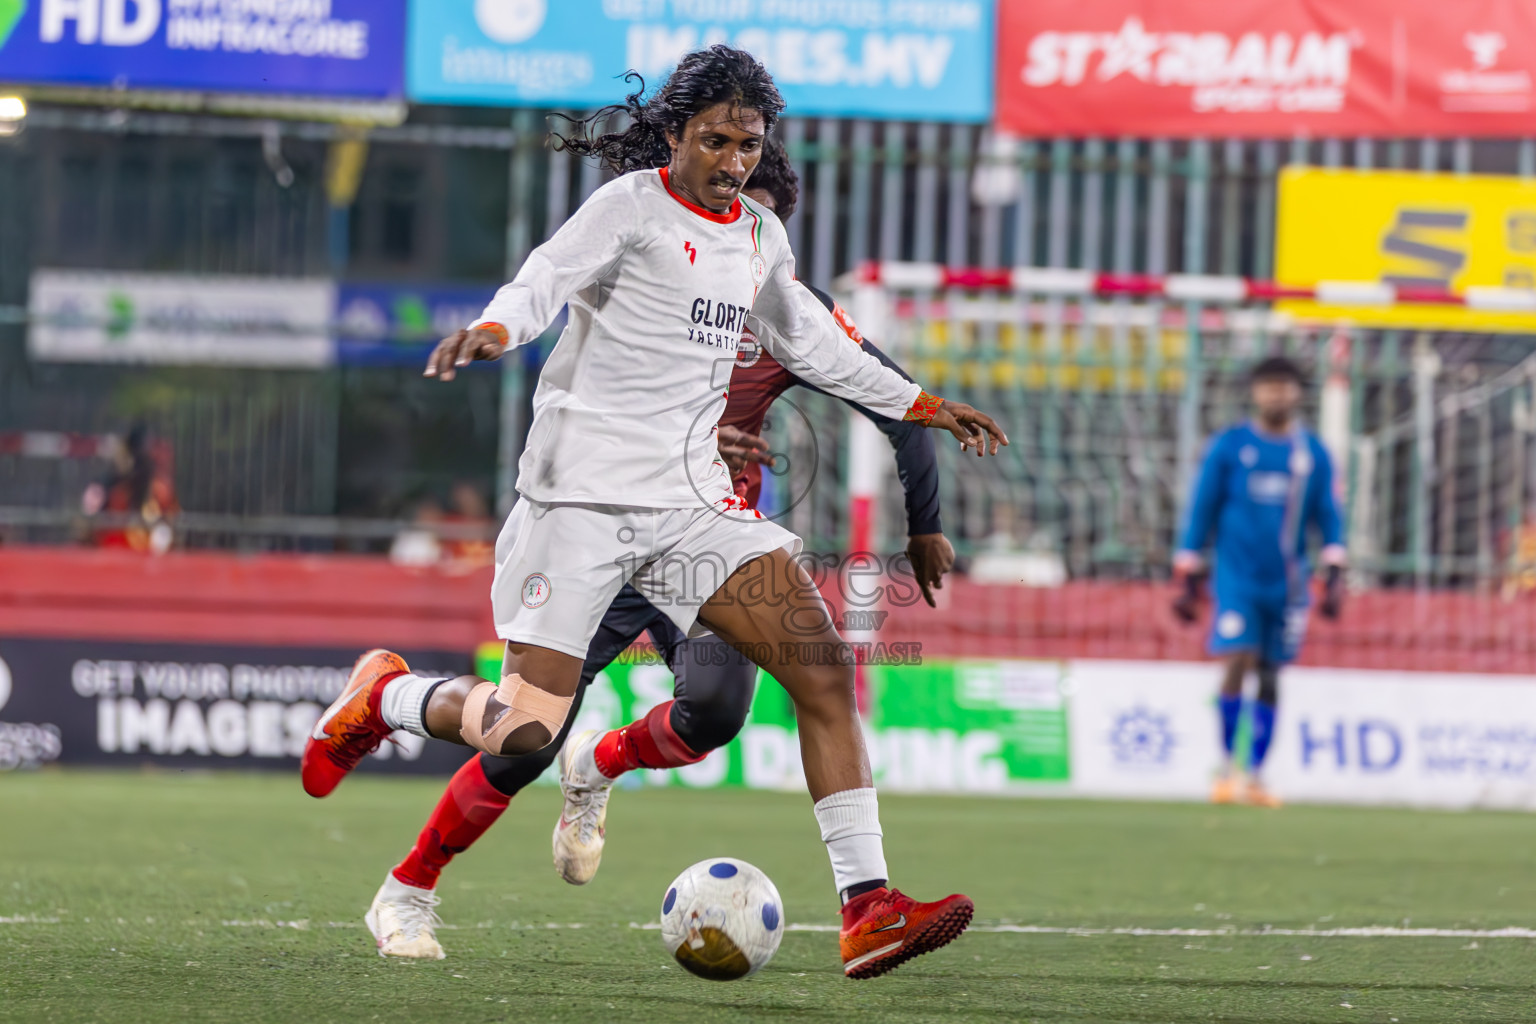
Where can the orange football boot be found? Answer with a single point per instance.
(883, 929)
(1257, 796)
(1224, 790)
(351, 727)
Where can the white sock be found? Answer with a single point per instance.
(405, 702)
(850, 826)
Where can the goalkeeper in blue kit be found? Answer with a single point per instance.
(1263, 483)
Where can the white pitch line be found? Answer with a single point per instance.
(1365, 932)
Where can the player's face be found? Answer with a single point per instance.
(719, 149)
(1276, 399)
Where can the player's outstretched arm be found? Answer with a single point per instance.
(804, 337)
(585, 248)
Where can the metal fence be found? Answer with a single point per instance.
(1105, 420)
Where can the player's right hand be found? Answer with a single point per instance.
(973, 428)
(460, 349)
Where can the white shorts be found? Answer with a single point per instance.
(559, 566)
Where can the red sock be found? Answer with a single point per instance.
(649, 742)
(468, 807)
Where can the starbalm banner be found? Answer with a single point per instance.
(1266, 68)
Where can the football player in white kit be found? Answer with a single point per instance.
(620, 482)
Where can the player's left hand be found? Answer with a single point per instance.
(739, 448)
(460, 349)
(932, 556)
(973, 428)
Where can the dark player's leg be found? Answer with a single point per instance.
(711, 698)
(713, 695)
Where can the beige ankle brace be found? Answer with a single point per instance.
(521, 702)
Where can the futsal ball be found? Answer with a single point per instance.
(722, 919)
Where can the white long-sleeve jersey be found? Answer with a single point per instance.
(627, 404)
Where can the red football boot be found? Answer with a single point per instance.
(351, 727)
(883, 929)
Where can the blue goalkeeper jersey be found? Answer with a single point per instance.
(1257, 495)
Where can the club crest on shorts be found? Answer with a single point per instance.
(535, 590)
(759, 268)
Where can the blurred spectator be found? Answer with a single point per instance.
(472, 546)
(417, 545)
(460, 538)
(138, 491)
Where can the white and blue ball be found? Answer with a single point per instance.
(722, 919)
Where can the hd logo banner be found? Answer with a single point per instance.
(300, 47)
(906, 59)
(1411, 230)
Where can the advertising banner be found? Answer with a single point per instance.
(1270, 68)
(301, 47)
(950, 727)
(1435, 231)
(1150, 729)
(905, 59)
(386, 324)
(187, 705)
(1427, 739)
(1144, 729)
(98, 316)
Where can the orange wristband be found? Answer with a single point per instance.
(923, 409)
(494, 328)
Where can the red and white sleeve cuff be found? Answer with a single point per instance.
(924, 408)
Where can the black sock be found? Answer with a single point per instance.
(860, 888)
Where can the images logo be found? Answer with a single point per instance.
(10, 14)
(510, 21)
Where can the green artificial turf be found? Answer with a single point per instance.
(171, 897)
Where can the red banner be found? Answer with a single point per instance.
(1267, 68)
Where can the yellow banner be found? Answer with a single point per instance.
(1409, 229)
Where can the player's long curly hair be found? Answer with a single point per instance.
(718, 74)
(776, 176)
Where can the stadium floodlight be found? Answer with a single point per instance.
(13, 111)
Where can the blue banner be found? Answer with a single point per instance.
(303, 47)
(398, 325)
(902, 59)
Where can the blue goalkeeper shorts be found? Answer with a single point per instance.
(1272, 630)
